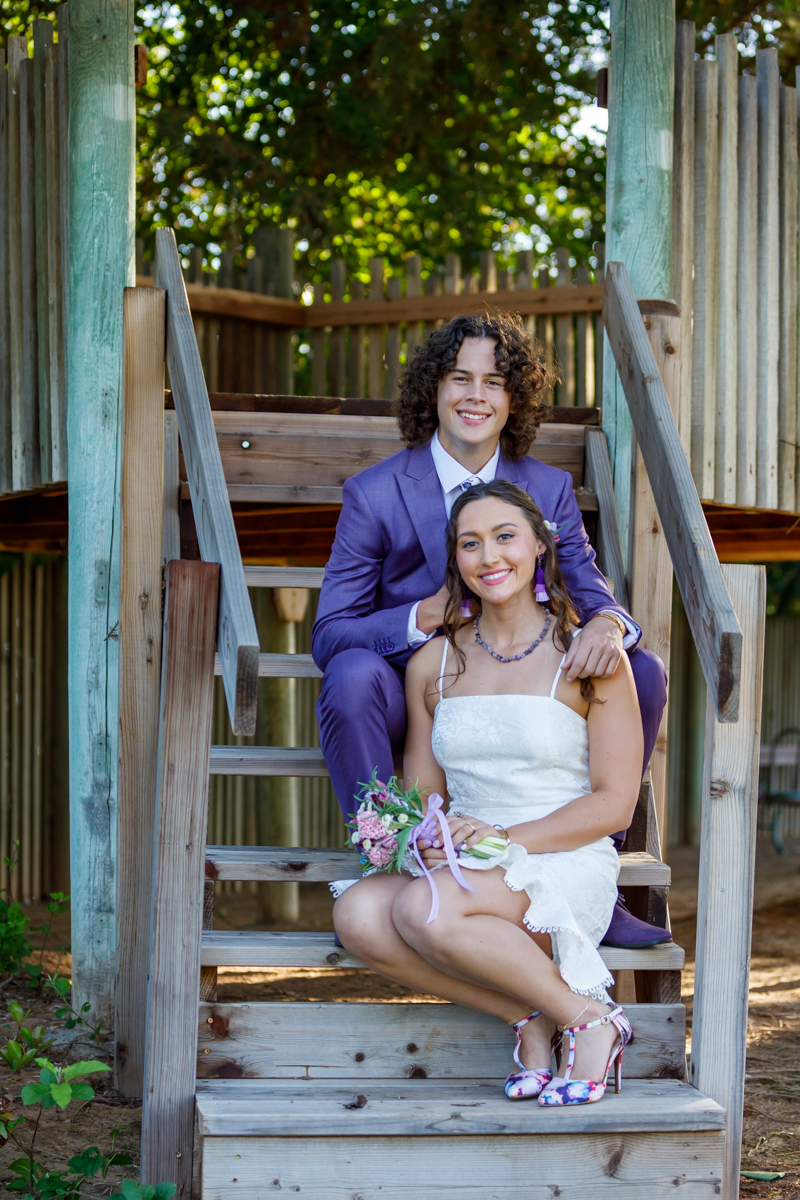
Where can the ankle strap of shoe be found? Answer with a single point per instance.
(523, 1021)
(604, 1020)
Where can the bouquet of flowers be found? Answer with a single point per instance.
(389, 822)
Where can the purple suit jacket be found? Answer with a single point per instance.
(389, 552)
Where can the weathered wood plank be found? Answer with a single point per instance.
(101, 173)
(62, 54)
(708, 607)
(727, 53)
(337, 365)
(16, 50)
(787, 343)
(638, 192)
(488, 1167)
(637, 869)
(727, 865)
(565, 335)
(43, 182)
(389, 1041)
(171, 511)
(355, 346)
(747, 295)
(275, 247)
(237, 637)
(304, 577)
(295, 449)
(650, 568)
(375, 356)
(318, 372)
(768, 281)
(57, 432)
(413, 293)
(282, 666)
(706, 183)
(25, 419)
(683, 213)
(5, 289)
(144, 318)
(254, 949)
(598, 474)
(394, 340)
(178, 872)
(267, 760)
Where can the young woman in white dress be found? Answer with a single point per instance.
(553, 763)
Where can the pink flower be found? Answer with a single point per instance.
(381, 854)
(370, 826)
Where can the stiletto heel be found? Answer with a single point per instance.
(565, 1090)
(524, 1084)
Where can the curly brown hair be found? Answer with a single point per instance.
(560, 602)
(520, 361)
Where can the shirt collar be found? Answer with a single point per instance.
(452, 474)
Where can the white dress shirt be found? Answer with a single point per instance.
(452, 476)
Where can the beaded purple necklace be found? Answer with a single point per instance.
(514, 657)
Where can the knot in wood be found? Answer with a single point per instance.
(332, 959)
(412, 1047)
(719, 788)
(144, 600)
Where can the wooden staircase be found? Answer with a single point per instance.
(339, 1101)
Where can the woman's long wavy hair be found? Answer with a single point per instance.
(521, 363)
(560, 603)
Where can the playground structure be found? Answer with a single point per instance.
(260, 1124)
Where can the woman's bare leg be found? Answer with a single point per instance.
(362, 918)
(480, 936)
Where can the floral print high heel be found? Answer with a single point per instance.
(563, 1090)
(524, 1084)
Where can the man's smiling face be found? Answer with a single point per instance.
(473, 403)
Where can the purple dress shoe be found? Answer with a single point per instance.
(627, 932)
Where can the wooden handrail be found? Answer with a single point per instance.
(237, 638)
(272, 310)
(715, 628)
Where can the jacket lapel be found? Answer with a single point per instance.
(514, 472)
(423, 498)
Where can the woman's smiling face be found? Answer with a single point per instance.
(496, 549)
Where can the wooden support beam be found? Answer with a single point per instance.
(727, 52)
(598, 477)
(650, 570)
(638, 191)
(238, 640)
(173, 985)
(747, 289)
(704, 320)
(6, 287)
(725, 890)
(100, 249)
(768, 280)
(712, 619)
(682, 212)
(139, 668)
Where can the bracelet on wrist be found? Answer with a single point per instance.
(504, 832)
(616, 620)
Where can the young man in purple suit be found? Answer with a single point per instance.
(470, 406)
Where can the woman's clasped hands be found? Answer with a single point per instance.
(465, 831)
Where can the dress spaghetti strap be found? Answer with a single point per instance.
(559, 669)
(441, 669)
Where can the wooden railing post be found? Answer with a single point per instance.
(184, 740)
(725, 891)
(144, 315)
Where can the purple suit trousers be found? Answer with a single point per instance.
(389, 552)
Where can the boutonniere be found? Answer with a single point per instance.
(556, 529)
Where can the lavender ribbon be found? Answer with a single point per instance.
(426, 829)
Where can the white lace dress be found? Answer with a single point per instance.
(511, 759)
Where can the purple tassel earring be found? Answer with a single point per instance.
(540, 593)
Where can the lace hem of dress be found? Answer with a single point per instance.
(340, 886)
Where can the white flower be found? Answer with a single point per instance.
(366, 844)
(402, 818)
(551, 525)
(386, 820)
(356, 838)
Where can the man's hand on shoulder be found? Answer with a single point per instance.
(430, 613)
(597, 652)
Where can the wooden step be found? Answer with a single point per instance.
(304, 577)
(282, 666)
(255, 948)
(279, 1040)
(454, 1140)
(287, 863)
(267, 760)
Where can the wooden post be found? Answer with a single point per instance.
(704, 388)
(276, 248)
(278, 797)
(16, 50)
(725, 892)
(337, 333)
(101, 194)
(5, 290)
(768, 285)
(355, 348)
(650, 564)
(565, 335)
(787, 360)
(139, 667)
(27, 423)
(318, 372)
(43, 183)
(375, 359)
(683, 212)
(747, 288)
(394, 338)
(727, 231)
(638, 191)
(184, 742)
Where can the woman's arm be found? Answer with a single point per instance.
(615, 767)
(419, 765)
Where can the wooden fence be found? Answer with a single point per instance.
(33, 256)
(735, 272)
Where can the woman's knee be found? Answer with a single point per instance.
(362, 918)
(410, 912)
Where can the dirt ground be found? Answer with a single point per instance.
(771, 1139)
